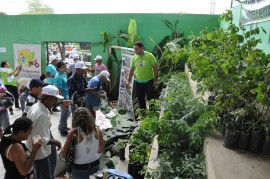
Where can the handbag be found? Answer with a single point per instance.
(69, 160)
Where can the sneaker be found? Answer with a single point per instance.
(68, 129)
(11, 113)
(64, 134)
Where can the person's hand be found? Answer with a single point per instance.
(87, 90)
(66, 103)
(128, 86)
(103, 94)
(37, 144)
(154, 83)
(18, 68)
(2, 95)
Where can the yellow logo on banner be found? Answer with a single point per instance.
(26, 58)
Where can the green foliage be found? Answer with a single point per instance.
(141, 149)
(3, 13)
(228, 63)
(121, 143)
(132, 32)
(187, 166)
(123, 38)
(37, 7)
(202, 128)
(168, 52)
(181, 131)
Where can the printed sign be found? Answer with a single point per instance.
(125, 95)
(3, 49)
(29, 56)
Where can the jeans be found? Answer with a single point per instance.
(53, 156)
(65, 112)
(83, 174)
(23, 98)
(43, 169)
(14, 91)
(144, 88)
(4, 119)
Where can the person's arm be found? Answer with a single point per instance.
(91, 70)
(71, 86)
(155, 68)
(131, 72)
(48, 75)
(101, 145)
(48, 72)
(29, 102)
(18, 69)
(55, 142)
(15, 72)
(23, 164)
(65, 148)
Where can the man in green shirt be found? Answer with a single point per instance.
(145, 69)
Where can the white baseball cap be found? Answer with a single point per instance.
(52, 58)
(80, 65)
(106, 74)
(98, 57)
(75, 56)
(51, 90)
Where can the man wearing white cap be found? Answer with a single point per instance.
(71, 68)
(77, 83)
(50, 74)
(40, 116)
(51, 69)
(92, 99)
(99, 66)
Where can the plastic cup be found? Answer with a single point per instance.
(92, 177)
(36, 138)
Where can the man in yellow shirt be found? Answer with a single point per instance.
(9, 80)
(145, 69)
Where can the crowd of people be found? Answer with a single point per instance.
(37, 99)
(37, 158)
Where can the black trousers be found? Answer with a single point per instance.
(142, 90)
(14, 91)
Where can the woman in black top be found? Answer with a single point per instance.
(17, 160)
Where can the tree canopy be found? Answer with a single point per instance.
(2, 13)
(37, 7)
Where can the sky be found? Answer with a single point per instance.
(15, 7)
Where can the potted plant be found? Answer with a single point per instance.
(266, 142)
(122, 145)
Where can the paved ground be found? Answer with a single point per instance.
(223, 163)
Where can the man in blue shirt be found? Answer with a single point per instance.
(51, 70)
(50, 74)
(92, 99)
(60, 81)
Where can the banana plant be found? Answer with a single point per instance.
(125, 39)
